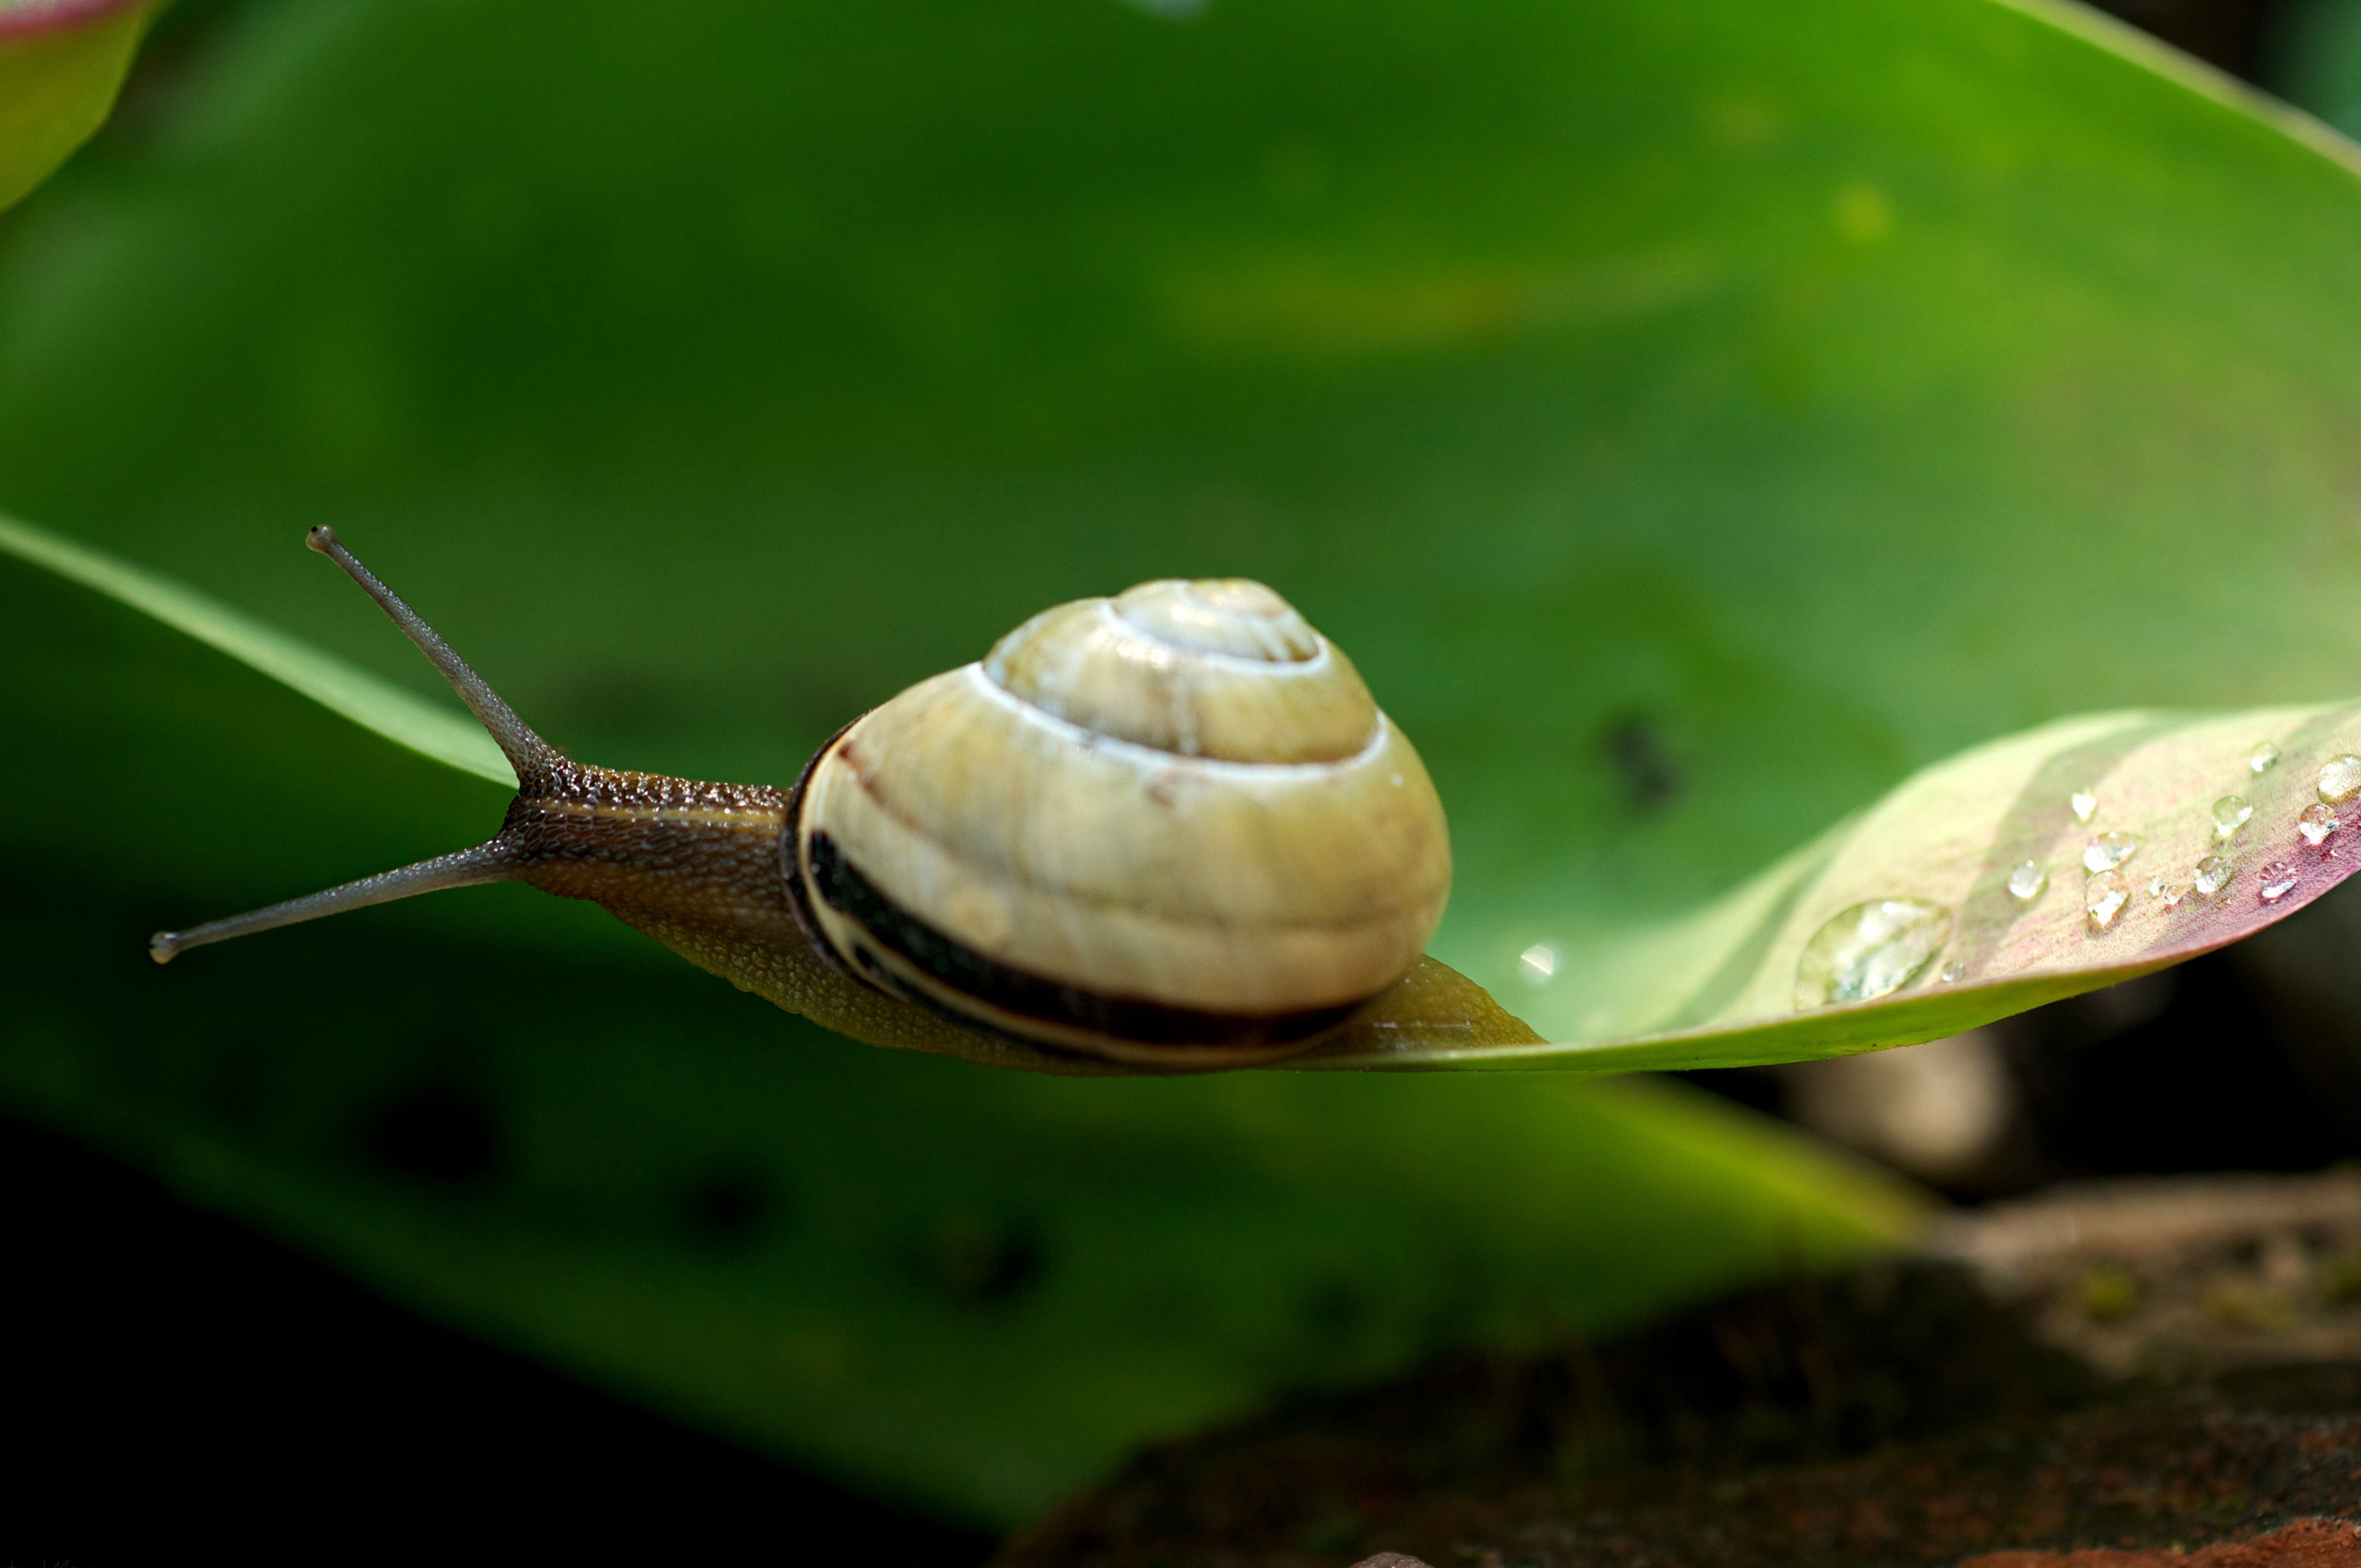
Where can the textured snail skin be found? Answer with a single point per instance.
(1169, 828)
(696, 865)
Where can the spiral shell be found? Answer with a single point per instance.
(1169, 827)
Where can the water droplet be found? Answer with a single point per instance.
(1538, 962)
(2109, 850)
(2085, 804)
(2279, 880)
(2214, 873)
(2028, 881)
(2103, 896)
(2316, 824)
(2340, 779)
(2230, 814)
(2169, 893)
(1870, 950)
(1953, 971)
(2265, 757)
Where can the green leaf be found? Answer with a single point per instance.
(2086, 852)
(60, 63)
(972, 1290)
(1694, 417)
(398, 714)
(1692, 423)
(1978, 889)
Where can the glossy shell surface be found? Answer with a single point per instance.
(1168, 828)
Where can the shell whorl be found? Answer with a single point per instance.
(1170, 826)
(1224, 669)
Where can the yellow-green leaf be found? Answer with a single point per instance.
(61, 63)
(2083, 853)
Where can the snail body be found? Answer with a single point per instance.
(1169, 830)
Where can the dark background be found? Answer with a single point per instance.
(278, 1413)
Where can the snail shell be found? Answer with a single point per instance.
(1168, 828)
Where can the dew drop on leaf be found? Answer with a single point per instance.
(2104, 897)
(2279, 880)
(2214, 873)
(2265, 757)
(2340, 779)
(2028, 881)
(1870, 950)
(2109, 850)
(1954, 970)
(1538, 962)
(2316, 824)
(2085, 804)
(2230, 814)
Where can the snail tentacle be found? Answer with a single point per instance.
(526, 751)
(492, 862)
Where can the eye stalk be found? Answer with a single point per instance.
(525, 752)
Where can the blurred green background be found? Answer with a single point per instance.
(1692, 418)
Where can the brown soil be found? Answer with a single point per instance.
(2308, 1543)
(2158, 1372)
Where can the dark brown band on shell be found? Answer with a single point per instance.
(790, 867)
(966, 972)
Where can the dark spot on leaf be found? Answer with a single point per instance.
(1334, 1308)
(981, 1263)
(728, 1208)
(1635, 751)
(438, 1133)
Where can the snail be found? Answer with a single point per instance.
(1168, 830)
